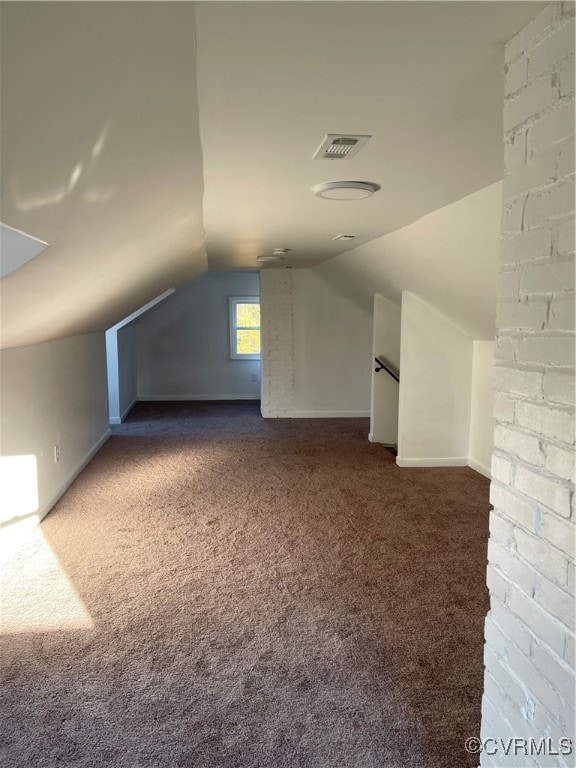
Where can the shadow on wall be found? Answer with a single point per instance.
(344, 281)
(183, 346)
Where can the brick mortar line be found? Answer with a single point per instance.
(540, 261)
(516, 397)
(544, 187)
(548, 510)
(549, 615)
(501, 515)
(526, 195)
(522, 367)
(513, 552)
(504, 454)
(534, 505)
(534, 639)
(522, 685)
(555, 26)
(532, 120)
(541, 471)
(559, 622)
(522, 497)
(513, 332)
(553, 69)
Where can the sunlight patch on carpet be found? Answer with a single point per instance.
(35, 592)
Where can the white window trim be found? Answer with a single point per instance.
(232, 302)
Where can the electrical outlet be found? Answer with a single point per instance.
(56, 454)
(254, 377)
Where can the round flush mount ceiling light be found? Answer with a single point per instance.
(345, 190)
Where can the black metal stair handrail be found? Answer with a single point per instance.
(386, 365)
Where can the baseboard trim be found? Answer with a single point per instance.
(480, 468)
(385, 443)
(120, 419)
(179, 398)
(61, 490)
(456, 461)
(330, 414)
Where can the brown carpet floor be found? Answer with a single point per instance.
(260, 594)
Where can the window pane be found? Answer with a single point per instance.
(248, 315)
(248, 342)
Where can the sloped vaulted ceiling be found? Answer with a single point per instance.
(424, 79)
(101, 158)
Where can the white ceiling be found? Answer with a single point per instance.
(101, 158)
(424, 78)
(449, 258)
(106, 149)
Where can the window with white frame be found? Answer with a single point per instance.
(244, 327)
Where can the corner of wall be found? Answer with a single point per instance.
(384, 389)
(54, 420)
(435, 388)
(481, 442)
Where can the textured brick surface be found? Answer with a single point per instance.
(277, 343)
(529, 688)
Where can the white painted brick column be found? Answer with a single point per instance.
(277, 343)
(529, 653)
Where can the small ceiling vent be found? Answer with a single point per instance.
(269, 257)
(278, 254)
(340, 146)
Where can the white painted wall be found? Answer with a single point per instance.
(332, 349)
(183, 350)
(122, 362)
(52, 394)
(114, 413)
(122, 366)
(482, 407)
(435, 388)
(127, 368)
(384, 399)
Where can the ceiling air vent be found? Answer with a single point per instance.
(278, 254)
(340, 146)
